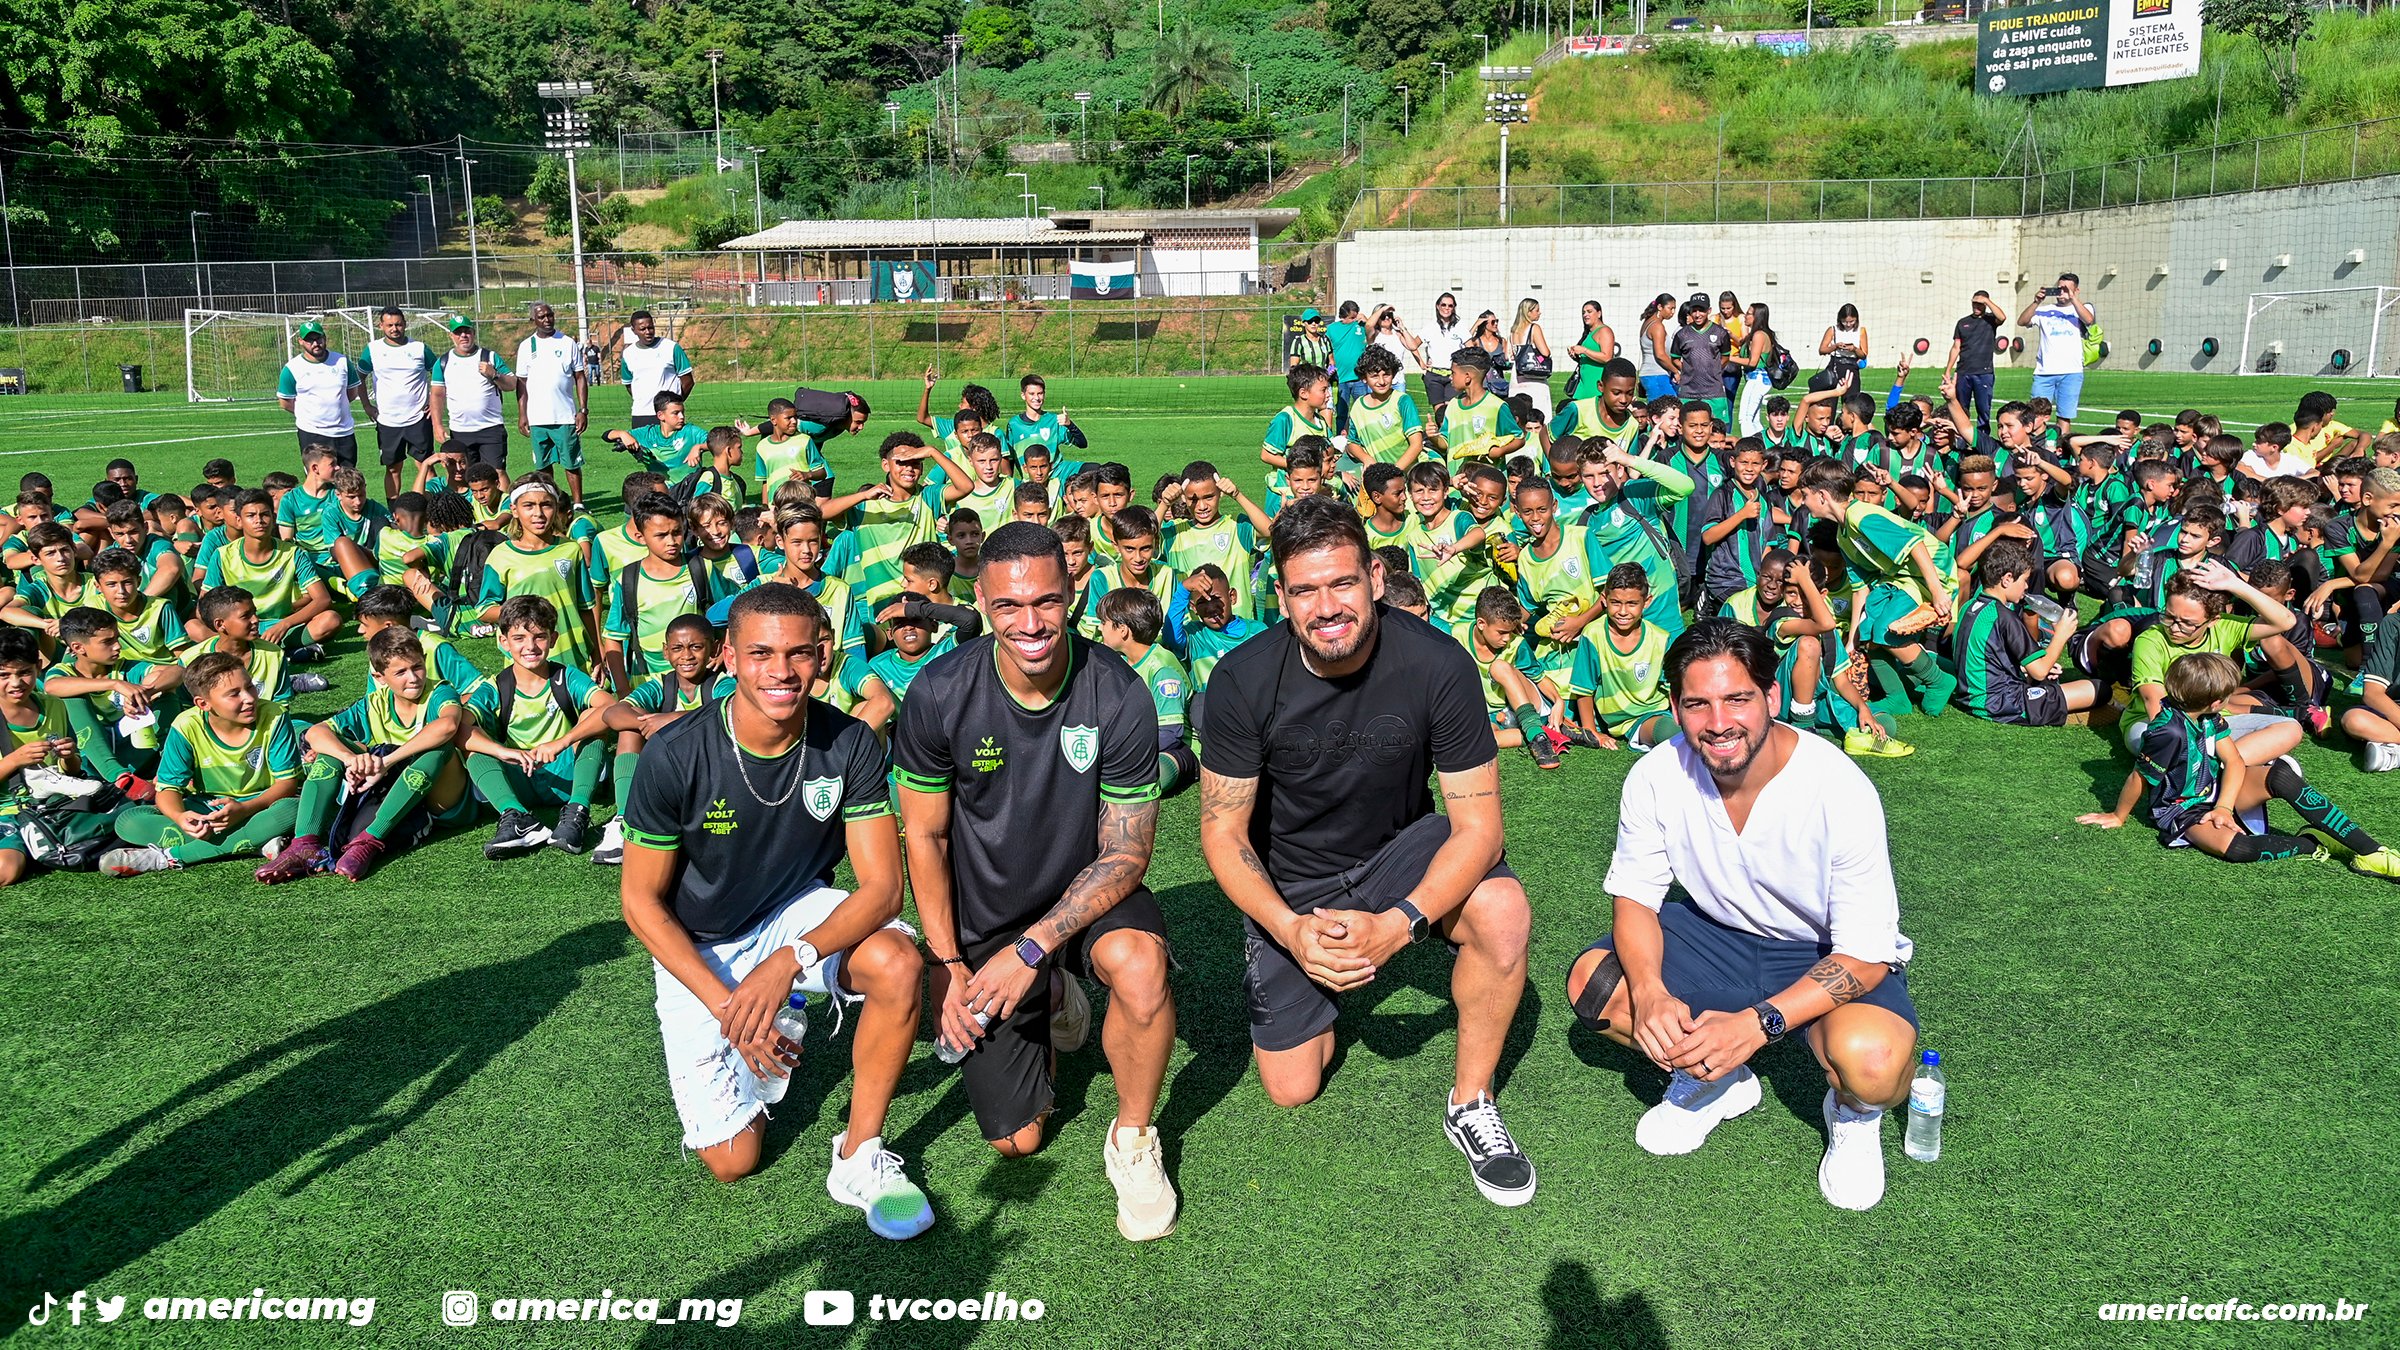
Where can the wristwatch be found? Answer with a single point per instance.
(806, 953)
(1770, 1020)
(1417, 927)
(1030, 952)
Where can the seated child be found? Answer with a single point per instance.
(228, 779)
(537, 735)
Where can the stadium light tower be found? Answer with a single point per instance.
(716, 105)
(891, 109)
(569, 130)
(1505, 104)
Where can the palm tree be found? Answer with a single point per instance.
(1188, 61)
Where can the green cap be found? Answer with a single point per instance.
(1310, 316)
(460, 324)
(311, 329)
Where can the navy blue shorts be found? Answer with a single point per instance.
(1713, 968)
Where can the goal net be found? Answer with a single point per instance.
(2350, 331)
(235, 356)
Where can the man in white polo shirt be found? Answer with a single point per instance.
(652, 365)
(400, 366)
(553, 405)
(467, 383)
(1792, 926)
(316, 388)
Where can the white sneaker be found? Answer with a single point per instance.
(135, 859)
(871, 1180)
(1852, 1174)
(1071, 1019)
(1145, 1198)
(2382, 758)
(44, 781)
(610, 851)
(1681, 1122)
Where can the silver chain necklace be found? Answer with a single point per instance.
(741, 763)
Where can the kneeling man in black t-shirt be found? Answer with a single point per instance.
(1319, 744)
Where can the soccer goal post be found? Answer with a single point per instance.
(2348, 331)
(235, 356)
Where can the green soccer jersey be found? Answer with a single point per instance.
(1048, 429)
(773, 460)
(1493, 699)
(660, 452)
(1163, 583)
(153, 635)
(884, 530)
(194, 759)
(1170, 688)
(534, 715)
(898, 672)
(362, 529)
(1475, 430)
(1204, 646)
(1625, 681)
(378, 719)
(1379, 431)
(1290, 425)
(642, 604)
(50, 598)
(448, 665)
(612, 549)
(393, 549)
(1586, 418)
(1228, 541)
(1877, 544)
(303, 513)
(1556, 587)
(277, 584)
(992, 505)
(49, 723)
(1451, 585)
(270, 673)
(667, 692)
(103, 702)
(556, 574)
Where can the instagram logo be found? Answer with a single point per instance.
(459, 1308)
(830, 1308)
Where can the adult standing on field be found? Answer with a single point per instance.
(1657, 380)
(466, 386)
(733, 828)
(1444, 336)
(1973, 342)
(1529, 352)
(2058, 316)
(1793, 923)
(316, 388)
(1320, 738)
(651, 365)
(1593, 350)
(1346, 338)
(1844, 348)
(400, 403)
(553, 403)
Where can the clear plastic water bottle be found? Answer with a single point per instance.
(952, 1054)
(1927, 1095)
(791, 1029)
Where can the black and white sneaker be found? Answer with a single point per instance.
(573, 819)
(518, 832)
(309, 682)
(312, 654)
(1502, 1171)
(610, 852)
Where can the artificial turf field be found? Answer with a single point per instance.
(2170, 1076)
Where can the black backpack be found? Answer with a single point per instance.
(465, 577)
(630, 578)
(358, 810)
(505, 683)
(1782, 369)
(825, 407)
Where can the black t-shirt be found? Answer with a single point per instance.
(1343, 765)
(1975, 334)
(1025, 784)
(736, 857)
(1702, 352)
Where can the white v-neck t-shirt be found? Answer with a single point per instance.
(1812, 866)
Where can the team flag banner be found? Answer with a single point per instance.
(1104, 280)
(2087, 44)
(904, 281)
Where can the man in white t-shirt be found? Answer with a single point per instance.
(652, 365)
(553, 405)
(1793, 923)
(466, 385)
(399, 367)
(316, 388)
(2058, 316)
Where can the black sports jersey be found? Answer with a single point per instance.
(2177, 758)
(1025, 784)
(737, 857)
(1343, 766)
(1991, 650)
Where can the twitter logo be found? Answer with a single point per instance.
(110, 1309)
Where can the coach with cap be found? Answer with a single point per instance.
(1792, 925)
(316, 388)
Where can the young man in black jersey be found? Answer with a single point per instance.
(1317, 744)
(733, 828)
(1028, 778)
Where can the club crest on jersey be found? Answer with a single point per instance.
(1081, 745)
(566, 568)
(822, 797)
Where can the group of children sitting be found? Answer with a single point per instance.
(149, 642)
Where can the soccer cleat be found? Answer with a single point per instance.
(1145, 1198)
(610, 852)
(1071, 1017)
(2317, 719)
(870, 1180)
(2383, 862)
(1501, 1170)
(1545, 755)
(1681, 1122)
(312, 654)
(420, 623)
(41, 781)
(573, 820)
(309, 682)
(359, 858)
(517, 832)
(1867, 745)
(136, 789)
(1577, 735)
(135, 859)
(293, 862)
(1851, 1176)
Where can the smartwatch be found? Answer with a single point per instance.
(806, 953)
(1030, 952)
(1417, 927)
(1770, 1020)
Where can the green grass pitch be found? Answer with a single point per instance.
(2169, 1076)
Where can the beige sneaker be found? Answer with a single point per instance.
(1145, 1198)
(1070, 1015)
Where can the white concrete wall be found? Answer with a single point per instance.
(1805, 271)
(1200, 271)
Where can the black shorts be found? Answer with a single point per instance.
(487, 445)
(2042, 704)
(1287, 1008)
(640, 420)
(414, 441)
(1008, 1072)
(344, 447)
(1716, 968)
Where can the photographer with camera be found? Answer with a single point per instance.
(2059, 317)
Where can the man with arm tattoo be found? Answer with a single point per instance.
(1319, 741)
(1793, 923)
(1028, 775)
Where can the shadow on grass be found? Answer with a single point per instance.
(324, 1096)
(1580, 1317)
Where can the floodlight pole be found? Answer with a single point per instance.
(715, 104)
(1345, 125)
(1444, 67)
(1083, 119)
(1102, 189)
(1404, 112)
(567, 133)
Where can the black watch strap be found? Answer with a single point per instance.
(1417, 926)
(1770, 1020)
